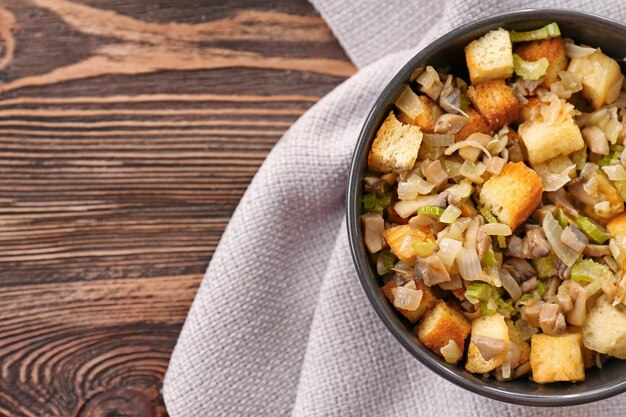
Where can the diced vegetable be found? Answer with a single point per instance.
(409, 103)
(545, 267)
(549, 31)
(448, 251)
(430, 211)
(450, 214)
(491, 219)
(451, 352)
(469, 265)
(406, 298)
(373, 203)
(530, 70)
(593, 230)
(385, 262)
(490, 257)
(497, 229)
(424, 249)
(542, 287)
(587, 270)
(553, 233)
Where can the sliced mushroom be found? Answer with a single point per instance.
(432, 270)
(537, 243)
(520, 269)
(578, 314)
(564, 297)
(455, 283)
(489, 347)
(435, 174)
(529, 285)
(450, 123)
(574, 238)
(515, 248)
(560, 199)
(597, 251)
(374, 185)
(531, 312)
(450, 98)
(373, 228)
(482, 243)
(551, 320)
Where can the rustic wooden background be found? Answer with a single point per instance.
(129, 129)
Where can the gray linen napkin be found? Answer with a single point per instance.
(280, 325)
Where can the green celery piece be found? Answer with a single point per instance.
(549, 31)
(490, 257)
(530, 70)
(424, 249)
(545, 267)
(369, 201)
(606, 160)
(587, 270)
(542, 287)
(480, 291)
(591, 229)
(384, 200)
(430, 211)
(491, 219)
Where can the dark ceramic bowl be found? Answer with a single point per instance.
(448, 51)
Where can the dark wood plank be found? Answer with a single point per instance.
(129, 129)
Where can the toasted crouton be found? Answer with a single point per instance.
(495, 101)
(427, 118)
(512, 195)
(490, 57)
(441, 324)
(522, 345)
(617, 226)
(476, 124)
(557, 358)
(401, 239)
(605, 329)
(490, 326)
(525, 110)
(428, 300)
(548, 138)
(552, 49)
(395, 147)
(601, 77)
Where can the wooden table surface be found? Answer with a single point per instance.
(129, 129)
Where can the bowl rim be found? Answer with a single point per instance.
(352, 214)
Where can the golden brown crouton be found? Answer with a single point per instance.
(495, 101)
(547, 138)
(512, 195)
(601, 77)
(516, 337)
(605, 329)
(617, 226)
(395, 147)
(428, 300)
(441, 324)
(557, 358)
(401, 239)
(524, 111)
(476, 124)
(552, 49)
(492, 326)
(427, 118)
(490, 57)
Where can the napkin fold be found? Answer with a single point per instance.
(280, 325)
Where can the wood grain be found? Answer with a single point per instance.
(129, 130)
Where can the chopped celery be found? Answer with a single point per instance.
(606, 160)
(506, 307)
(373, 203)
(579, 158)
(587, 270)
(389, 258)
(424, 249)
(621, 188)
(488, 307)
(525, 298)
(384, 200)
(542, 287)
(369, 201)
(479, 291)
(548, 31)
(545, 267)
(593, 230)
(491, 219)
(430, 210)
(616, 148)
(530, 70)
(490, 257)
(563, 219)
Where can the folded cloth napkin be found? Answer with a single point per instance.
(280, 325)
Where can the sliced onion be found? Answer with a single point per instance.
(473, 172)
(615, 172)
(428, 77)
(497, 229)
(452, 168)
(495, 146)
(406, 298)
(469, 265)
(461, 191)
(421, 220)
(510, 285)
(408, 207)
(464, 144)
(449, 249)
(495, 165)
(438, 139)
(575, 51)
(552, 181)
(451, 352)
(450, 214)
(596, 140)
(553, 233)
(409, 103)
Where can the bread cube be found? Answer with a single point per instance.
(490, 57)
(441, 324)
(427, 118)
(428, 300)
(601, 77)
(557, 358)
(512, 195)
(395, 147)
(490, 326)
(516, 337)
(617, 226)
(495, 101)
(476, 124)
(553, 49)
(605, 329)
(545, 139)
(401, 239)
